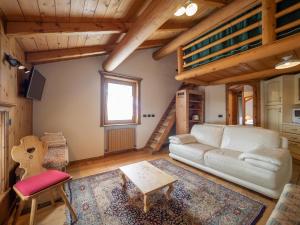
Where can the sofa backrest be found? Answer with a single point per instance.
(247, 139)
(208, 134)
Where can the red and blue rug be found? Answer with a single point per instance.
(195, 200)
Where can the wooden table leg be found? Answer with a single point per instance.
(146, 203)
(168, 193)
(123, 180)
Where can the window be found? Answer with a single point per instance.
(120, 97)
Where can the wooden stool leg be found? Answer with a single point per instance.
(52, 197)
(64, 197)
(18, 212)
(33, 211)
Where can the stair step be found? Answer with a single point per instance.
(153, 146)
(157, 138)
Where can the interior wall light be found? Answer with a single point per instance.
(287, 62)
(13, 62)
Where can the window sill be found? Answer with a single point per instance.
(120, 124)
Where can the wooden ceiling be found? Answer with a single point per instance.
(89, 11)
(53, 30)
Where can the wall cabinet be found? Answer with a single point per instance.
(278, 101)
(297, 89)
(189, 109)
(273, 91)
(280, 96)
(273, 115)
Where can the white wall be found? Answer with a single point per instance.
(215, 104)
(71, 99)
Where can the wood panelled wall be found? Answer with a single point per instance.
(21, 113)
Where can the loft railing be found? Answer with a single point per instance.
(240, 34)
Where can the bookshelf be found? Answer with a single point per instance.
(189, 109)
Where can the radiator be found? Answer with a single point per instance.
(120, 139)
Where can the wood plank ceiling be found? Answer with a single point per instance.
(71, 11)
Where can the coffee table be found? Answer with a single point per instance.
(147, 178)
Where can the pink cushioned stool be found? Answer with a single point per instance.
(36, 180)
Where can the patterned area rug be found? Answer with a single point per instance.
(195, 200)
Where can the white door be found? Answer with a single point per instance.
(273, 91)
(273, 117)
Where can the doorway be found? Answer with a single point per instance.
(243, 104)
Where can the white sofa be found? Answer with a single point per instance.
(219, 150)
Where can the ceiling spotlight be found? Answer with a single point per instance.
(287, 62)
(180, 11)
(191, 9)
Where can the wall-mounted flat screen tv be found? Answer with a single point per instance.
(36, 85)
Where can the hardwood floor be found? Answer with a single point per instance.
(55, 215)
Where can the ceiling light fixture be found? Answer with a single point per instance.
(287, 62)
(180, 11)
(190, 9)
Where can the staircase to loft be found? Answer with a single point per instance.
(167, 122)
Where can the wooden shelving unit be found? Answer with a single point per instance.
(189, 109)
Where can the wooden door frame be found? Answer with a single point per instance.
(256, 100)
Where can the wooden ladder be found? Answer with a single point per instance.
(165, 125)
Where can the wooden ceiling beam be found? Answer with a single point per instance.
(217, 18)
(256, 75)
(79, 52)
(154, 16)
(196, 81)
(214, 3)
(22, 28)
(276, 48)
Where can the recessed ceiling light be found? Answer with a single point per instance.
(287, 62)
(191, 9)
(180, 11)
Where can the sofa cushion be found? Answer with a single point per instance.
(227, 161)
(208, 134)
(247, 139)
(194, 151)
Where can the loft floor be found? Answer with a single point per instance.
(56, 215)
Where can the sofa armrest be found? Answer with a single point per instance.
(284, 143)
(182, 139)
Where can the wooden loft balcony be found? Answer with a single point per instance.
(244, 46)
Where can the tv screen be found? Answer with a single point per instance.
(36, 85)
